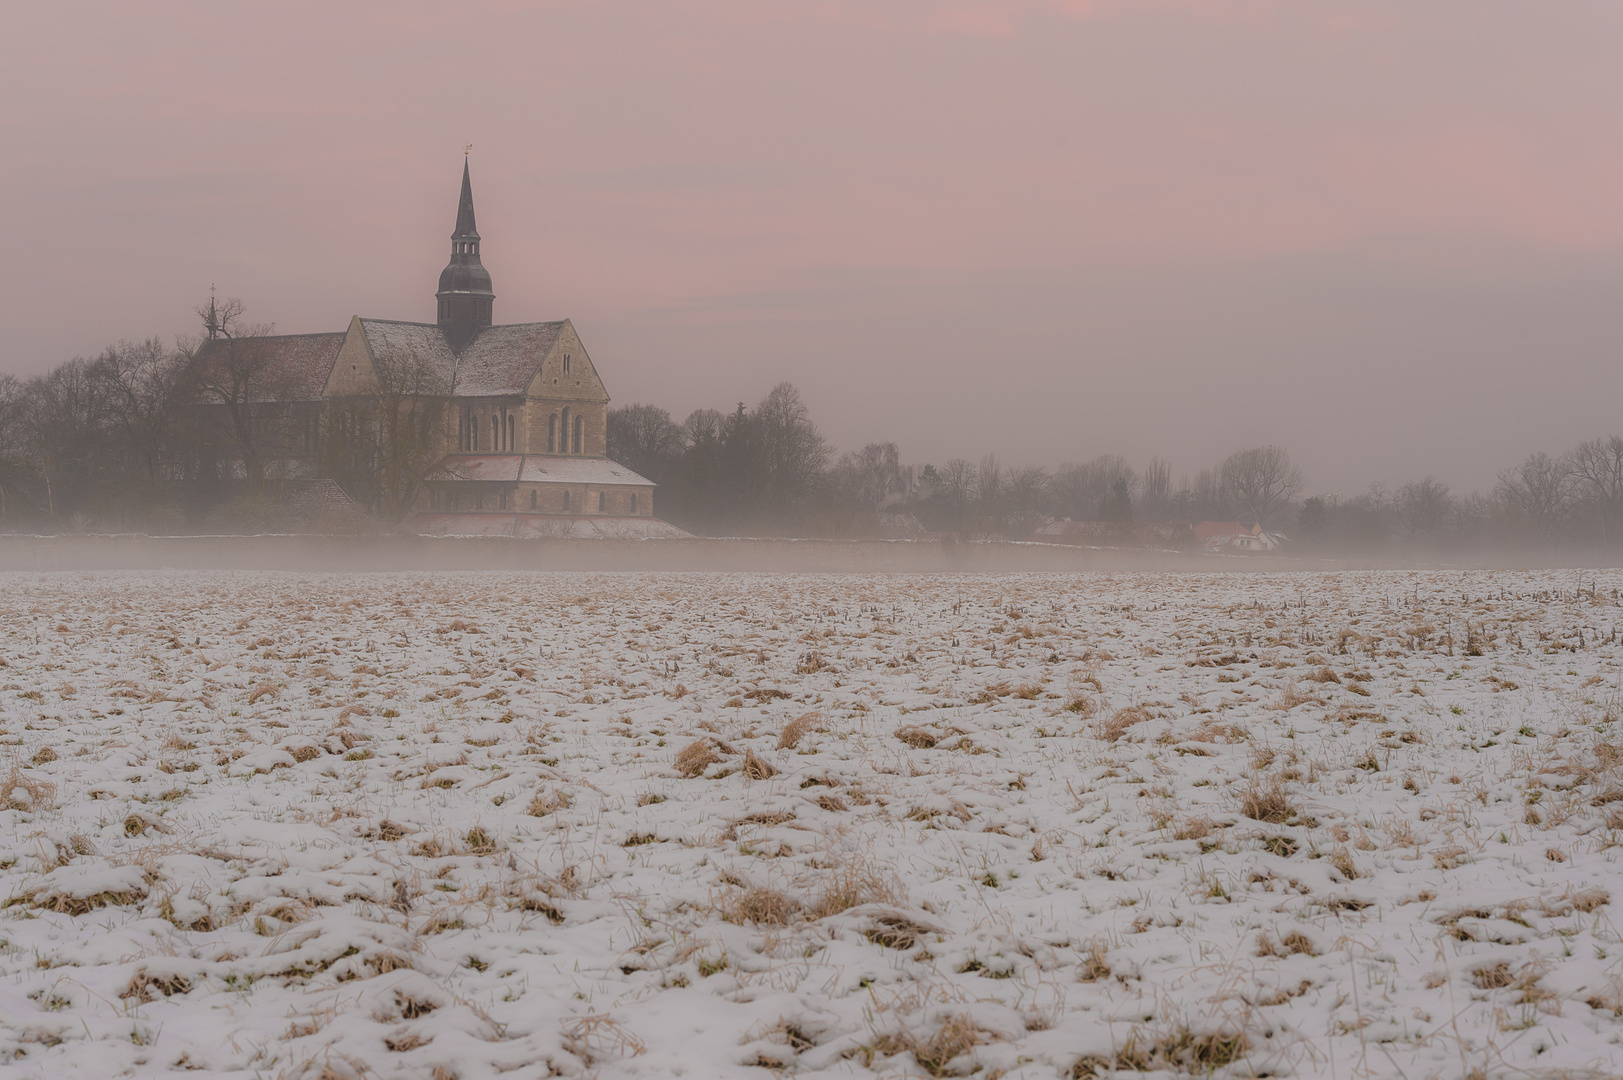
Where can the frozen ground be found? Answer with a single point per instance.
(1354, 824)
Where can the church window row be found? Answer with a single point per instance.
(559, 436)
(503, 432)
(464, 247)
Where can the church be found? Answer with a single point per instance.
(514, 442)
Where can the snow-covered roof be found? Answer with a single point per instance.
(281, 367)
(539, 468)
(501, 361)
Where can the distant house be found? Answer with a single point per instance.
(1233, 536)
(900, 526)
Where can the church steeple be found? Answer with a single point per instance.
(464, 296)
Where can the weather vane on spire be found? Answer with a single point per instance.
(467, 149)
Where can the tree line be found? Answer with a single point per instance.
(158, 436)
(769, 471)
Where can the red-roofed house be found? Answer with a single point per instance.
(1232, 536)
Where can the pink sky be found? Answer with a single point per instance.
(1387, 235)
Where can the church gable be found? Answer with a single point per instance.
(566, 372)
(354, 371)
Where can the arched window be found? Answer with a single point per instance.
(504, 498)
(566, 500)
(633, 502)
(495, 433)
(552, 433)
(510, 441)
(580, 422)
(532, 498)
(602, 501)
(564, 445)
(478, 500)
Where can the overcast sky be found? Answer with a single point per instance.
(1388, 236)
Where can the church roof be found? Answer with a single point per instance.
(540, 469)
(284, 367)
(501, 361)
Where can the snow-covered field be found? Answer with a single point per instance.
(278, 825)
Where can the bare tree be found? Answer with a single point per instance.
(793, 452)
(384, 446)
(957, 484)
(1260, 482)
(59, 417)
(1027, 496)
(15, 468)
(234, 367)
(1422, 509)
(141, 385)
(1155, 488)
(703, 425)
(989, 494)
(1597, 470)
(644, 438)
(873, 476)
(1081, 490)
(1539, 489)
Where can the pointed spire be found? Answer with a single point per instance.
(465, 228)
(464, 295)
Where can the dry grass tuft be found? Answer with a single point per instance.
(1082, 705)
(1587, 900)
(1178, 1050)
(547, 802)
(796, 729)
(599, 1037)
(143, 983)
(19, 792)
(1493, 978)
(757, 767)
(757, 905)
(854, 883)
(1114, 728)
(63, 904)
(388, 830)
(696, 757)
(1267, 800)
(957, 1035)
(1289, 945)
(1196, 828)
(917, 738)
(895, 931)
(1094, 967)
